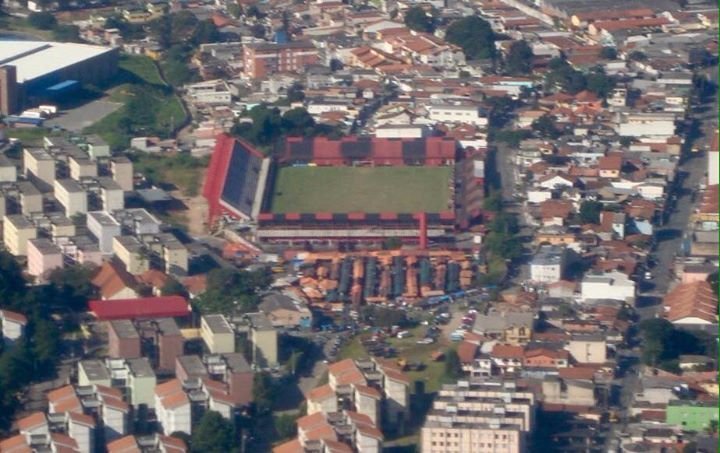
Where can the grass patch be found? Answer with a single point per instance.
(21, 26)
(181, 170)
(366, 189)
(32, 136)
(150, 107)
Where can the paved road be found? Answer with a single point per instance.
(79, 118)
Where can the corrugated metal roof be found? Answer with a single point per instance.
(144, 307)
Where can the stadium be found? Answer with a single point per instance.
(352, 190)
(39, 70)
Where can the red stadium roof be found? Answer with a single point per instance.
(144, 307)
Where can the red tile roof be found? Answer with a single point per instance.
(144, 307)
(691, 300)
(507, 351)
(13, 316)
(32, 421)
(466, 351)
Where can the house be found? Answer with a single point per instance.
(514, 327)
(588, 348)
(286, 310)
(13, 325)
(114, 282)
(610, 166)
(691, 305)
(546, 358)
(613, 285)
(548, 264)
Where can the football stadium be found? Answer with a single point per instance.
(354, 189)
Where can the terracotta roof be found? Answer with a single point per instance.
(127, 444)
(586, 96)
(334, 446)
(13, 316)
(153, 278)
(466, 351)
(614, 14)
(628, 24)
(173, 444)
(81, 419)
(395, 375)
(32, 421)
(317, 432)
(309, 421)
(15, 444)
(64, 399)
(710, 200)
(691, 300)
(171, 394)
(112, 278)
(368, 391)
(292, 446)
(581, 373)
(64, 443)
(555, 208)
(545, 352)
(507, 351)
(613, 161)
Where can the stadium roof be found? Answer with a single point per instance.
(34, 59)
(144, 307)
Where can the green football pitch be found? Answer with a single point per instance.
(361, 189)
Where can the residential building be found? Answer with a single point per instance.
(72, 196)
(263, 337)
(263, 59)
(548, 264)
(485, 415)
(340, 432)
(613, 285)
(172, 408)
(217, 333)
(457, 113)
(104, 227)
(43, 257)
(588, 348)
(286, 310)
(122, 172)
(506, 325)
(123, 339)
(131, 252)
(114, 282)
(692, 305)
(13, 325)
(17, 231)
(39, 166)
(135, 378)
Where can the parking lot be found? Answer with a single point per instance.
(79, 118)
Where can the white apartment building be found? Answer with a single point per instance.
(17, 231)
(72, 196)
(449, 113)
(104, 227)
(611, 285)
(548, 264)
(172, 407)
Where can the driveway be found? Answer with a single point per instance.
(79, 118)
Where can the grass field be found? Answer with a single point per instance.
(139, 81)
(365, 189)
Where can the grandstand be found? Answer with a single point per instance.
(354, 189)
(235, 180)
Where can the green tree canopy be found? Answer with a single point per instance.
(214, 434)
(590, 211)
(453, 367)
(474, 35)
(609, 53)
(519, 58)
(232, 291)
(43, 21)
(416, 18)
(546, 127)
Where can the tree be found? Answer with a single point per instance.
(74, 285)
(416, 18)
(599, 83)
(453, 367)
(562, 75)
(590, 212)
(608, 53)
(295, 93)
(637, 55)
(545, 126)
(12, 282)
(214, 434)
(474, 35)
(519, 58)
(172, 287)
(43, 21)
(67, 33)
(285, 426)
(205, 32)
(263, 392)
(493, 202)
(298, 121)
(232, 291)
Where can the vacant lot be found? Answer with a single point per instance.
(361, 189)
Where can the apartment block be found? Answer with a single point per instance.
(8, 171)
(485, 415)
(39, 166)
(263, 337)
(81, 167)
(123, 340)
(132, 253)
(263, 59)
(17, 231)
(72, 196)
(135, 378)
(231, 370)
(104, 227)
(122, 172)
(217, 333)
(42, 258)
(137, 221)
(172, 407)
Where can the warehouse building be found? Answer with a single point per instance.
(33, 70)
